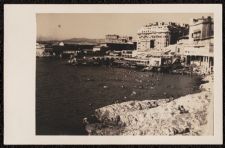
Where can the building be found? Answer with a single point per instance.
(115, 42)
(40, 49)
(66, 50)
(181, 43)
(120, 46)
(201, 29)
(191, 44)
(48, 49)
(126, 53)
(113, 38)
(158, 35)
(97, 48)
(198, 48)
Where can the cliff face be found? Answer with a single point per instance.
(188, 115)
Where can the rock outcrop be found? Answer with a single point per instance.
(187, 115)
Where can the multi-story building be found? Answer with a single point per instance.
(193, 42)
(157, 36)
(201, 29)
(118, 43)
(198, 48)
(113, 38)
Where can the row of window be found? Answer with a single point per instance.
(150, 31)
(157, 36)
(152, 44)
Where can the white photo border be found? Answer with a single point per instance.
(20, 71)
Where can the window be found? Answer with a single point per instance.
(152, 43)
(196, 35)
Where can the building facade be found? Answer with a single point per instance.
(156, 36)
(201, 29)
(192, 44)
(201, 37)
(197, 48)
(113, 38)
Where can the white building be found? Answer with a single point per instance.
(157, 36)
(97, 48)
(61, 44)
(199, 50)
(40, 49)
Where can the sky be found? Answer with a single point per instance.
(55, 26)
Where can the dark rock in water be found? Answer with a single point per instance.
(93, 119)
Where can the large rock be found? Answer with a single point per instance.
(186, 115)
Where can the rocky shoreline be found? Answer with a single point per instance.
(188, 115)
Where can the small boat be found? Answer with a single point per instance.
(148, 68)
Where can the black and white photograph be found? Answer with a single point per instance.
(124, 74)
(113, 74)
